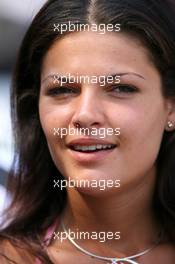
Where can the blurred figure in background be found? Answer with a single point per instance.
(3, 176)
(14, 19)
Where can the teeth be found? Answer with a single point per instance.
(92, 147)
(85, 148)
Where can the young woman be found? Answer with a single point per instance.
(129, 195)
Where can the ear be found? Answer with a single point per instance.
(170, 122)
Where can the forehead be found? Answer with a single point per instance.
(94, 53)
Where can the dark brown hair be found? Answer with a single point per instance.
(35, 202)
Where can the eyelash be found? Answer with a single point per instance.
(60, 90)
(127, 89)
(63, 90)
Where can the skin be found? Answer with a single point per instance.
(142, 121)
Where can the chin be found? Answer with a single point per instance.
(94, 184)
(96, 192)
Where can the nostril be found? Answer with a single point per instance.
(76, 124)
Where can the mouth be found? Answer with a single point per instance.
(85, 150)
(92, 148)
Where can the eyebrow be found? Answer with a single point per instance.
(65, 78)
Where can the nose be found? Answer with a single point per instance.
(89, 109)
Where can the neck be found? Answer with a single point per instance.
(128, 211)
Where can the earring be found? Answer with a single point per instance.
(170, 124)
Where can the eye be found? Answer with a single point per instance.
(123, 89)
(61, 90)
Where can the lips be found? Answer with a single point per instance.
(92, 148)
(89, 150)
(87, 146)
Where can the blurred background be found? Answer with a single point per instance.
(15, 17)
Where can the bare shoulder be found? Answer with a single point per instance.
(10, 254)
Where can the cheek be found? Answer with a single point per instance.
(151, 122)
(141, 123)
(141, 135)
(50, 118)
(49, 121)
(53, 116)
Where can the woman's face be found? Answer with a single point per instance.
(135, 105)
